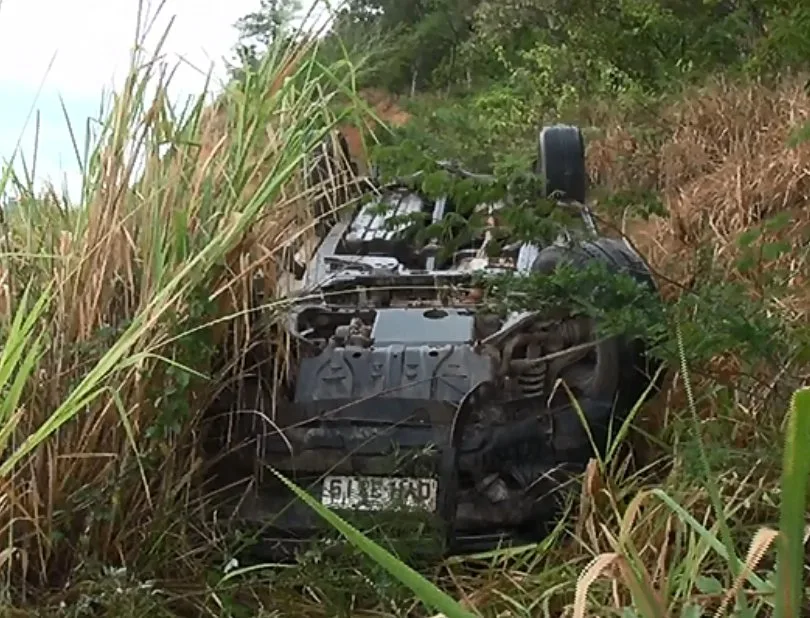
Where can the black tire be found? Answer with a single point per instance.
(636, 367)
(561, 162)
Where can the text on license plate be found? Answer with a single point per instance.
(377, 493)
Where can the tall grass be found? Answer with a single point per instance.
(672, 590)
(107, 358)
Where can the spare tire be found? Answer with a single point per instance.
(561, 162)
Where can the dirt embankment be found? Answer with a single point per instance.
(386, 108)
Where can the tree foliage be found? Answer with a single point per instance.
(565, 47)
(268, 24)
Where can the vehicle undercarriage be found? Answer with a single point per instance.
(409, 394)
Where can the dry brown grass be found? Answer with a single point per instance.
(721, 158)
(722, 161)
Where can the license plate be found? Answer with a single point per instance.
(377, 493)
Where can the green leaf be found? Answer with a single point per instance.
(778, 222)
(748, 237)
(708, 585)
(800, 135)
(774, 250)
(708, 537)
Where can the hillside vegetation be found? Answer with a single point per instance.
(122, 317)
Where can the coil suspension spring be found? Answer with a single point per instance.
(532, 381)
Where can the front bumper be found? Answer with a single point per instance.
(283, 526)
(537, 456)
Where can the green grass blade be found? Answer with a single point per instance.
(624, 429)
(427, 592)
(707, 536)
(735, 564)
(20, 352)
(795, 472)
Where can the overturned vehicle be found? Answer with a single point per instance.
(408, 396)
